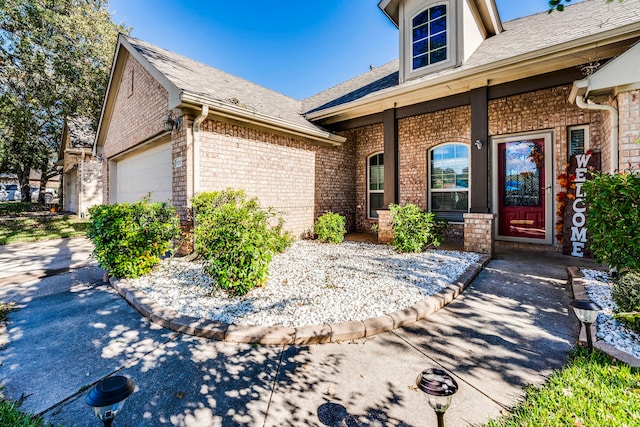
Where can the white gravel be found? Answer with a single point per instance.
(598, 285)
(311, 284)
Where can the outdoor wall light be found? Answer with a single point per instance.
(108, 396)
(478, 144)
(586, 312)
(439, 387)
(168, 124)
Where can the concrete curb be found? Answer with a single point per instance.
(280, 335)
(576, 280)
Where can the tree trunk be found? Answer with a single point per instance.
(25, 188)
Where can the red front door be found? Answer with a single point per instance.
(521, 189)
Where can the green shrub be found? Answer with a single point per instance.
(626, 294)
(613, 221)
(237, 239)
(413, 229)
(130, 238)
(330, 228)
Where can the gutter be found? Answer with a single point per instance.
(266, 121)
(590, 105)
(204, 112)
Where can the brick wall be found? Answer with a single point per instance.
(416, 136)
(300, 179)
(366, 141)
(629, 110)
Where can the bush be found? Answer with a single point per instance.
(330, 228)
(613, 221)
(626, 294)
(130, 238)
(413, 229)
(237, 239)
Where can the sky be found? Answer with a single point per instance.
(295, 47)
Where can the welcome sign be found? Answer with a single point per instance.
(576, 236)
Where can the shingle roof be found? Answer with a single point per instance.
(520, 37)
(196, 79)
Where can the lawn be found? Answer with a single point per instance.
(28, 222)
(590, 390)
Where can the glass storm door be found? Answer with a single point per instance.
(522, 193)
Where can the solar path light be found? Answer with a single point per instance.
(108, 396)
(439, 387)
(586, 312)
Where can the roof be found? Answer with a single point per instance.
(522, 39)
(190, 81)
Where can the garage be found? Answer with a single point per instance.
(141, 173)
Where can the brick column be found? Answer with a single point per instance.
(385, 231)
(478, 233)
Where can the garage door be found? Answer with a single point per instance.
(145, 172)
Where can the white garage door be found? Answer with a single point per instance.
(148, 171)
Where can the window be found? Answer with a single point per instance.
(578, 140)
(375, 184)
(429, 37)
(449, 181)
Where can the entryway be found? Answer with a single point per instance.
(522, 194)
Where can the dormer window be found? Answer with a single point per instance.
(430, 33)
(430, 36)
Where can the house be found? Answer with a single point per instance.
(81, 170)
(475, 122)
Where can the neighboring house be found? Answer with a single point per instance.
(475, 122)
(82, 171)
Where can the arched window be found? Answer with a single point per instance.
(449, 181)
(375, 184)
(429, 36)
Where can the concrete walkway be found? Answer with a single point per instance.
(510, 328)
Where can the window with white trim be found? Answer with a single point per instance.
(429, 36)
(375, 184)
(449, 181)
(578, 139)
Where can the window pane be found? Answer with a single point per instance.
(420, 32)
(421, 18)
(420, 61)
(450, 201)
(438, 11)
(577, 142)
(421, 47)
(376, 201)
(438, 56)
(438, 41)
(438, 26)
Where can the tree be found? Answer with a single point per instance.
(55, 58)
(560, 4)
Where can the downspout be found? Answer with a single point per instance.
(590, 105)
(196, 147)
(81, 192)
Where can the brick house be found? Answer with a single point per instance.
(81, 170)
(475, 121)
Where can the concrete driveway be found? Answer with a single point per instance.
(510, 328)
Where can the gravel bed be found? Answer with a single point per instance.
(311, 284)
(598, 285)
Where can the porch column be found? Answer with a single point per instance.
(479, 178)
(391, 181)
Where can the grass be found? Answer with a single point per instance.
(590, 390)
(44, 227)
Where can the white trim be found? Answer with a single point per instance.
(586, 136)
(369, 191)
(549, 181)
(430, 190)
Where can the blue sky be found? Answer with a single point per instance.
(296, 47)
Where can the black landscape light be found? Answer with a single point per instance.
(108, 396)
(586, 312)
(439, 387)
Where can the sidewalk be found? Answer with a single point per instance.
(510, 328)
